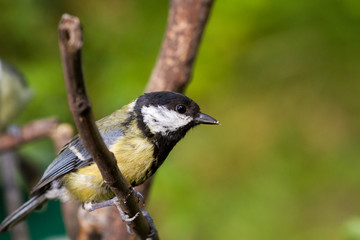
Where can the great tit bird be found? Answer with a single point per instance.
(140, 134)
(14, 93)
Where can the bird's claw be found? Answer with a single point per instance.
(139, 196)
(153, 230)
(89, 206)
(128, 229)
(126, 218)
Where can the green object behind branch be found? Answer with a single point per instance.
(14, 93)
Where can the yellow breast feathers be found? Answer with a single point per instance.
(134, 155)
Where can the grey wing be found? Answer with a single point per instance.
(73, 156)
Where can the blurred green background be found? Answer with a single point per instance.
(283, 77)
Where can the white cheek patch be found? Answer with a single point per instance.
(162, 120)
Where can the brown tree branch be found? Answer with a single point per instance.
(186, 24)
(70, 41)
(31, 131)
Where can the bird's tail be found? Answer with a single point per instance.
(22, 212)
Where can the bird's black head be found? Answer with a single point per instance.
(165, 117)
(169, 114)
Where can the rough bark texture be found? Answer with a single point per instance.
(70, 40)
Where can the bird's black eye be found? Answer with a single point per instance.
(180, 108)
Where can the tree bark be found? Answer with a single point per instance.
(70, 41)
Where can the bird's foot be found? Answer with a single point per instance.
(153, 230)
(139, 196)
(124, 217)
(89, 206)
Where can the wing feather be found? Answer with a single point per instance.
(73, 156)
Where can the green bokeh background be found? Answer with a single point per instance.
(283, 77)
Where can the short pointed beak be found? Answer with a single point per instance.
(206, 119)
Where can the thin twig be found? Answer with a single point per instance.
(31, 131)
(70, 40)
